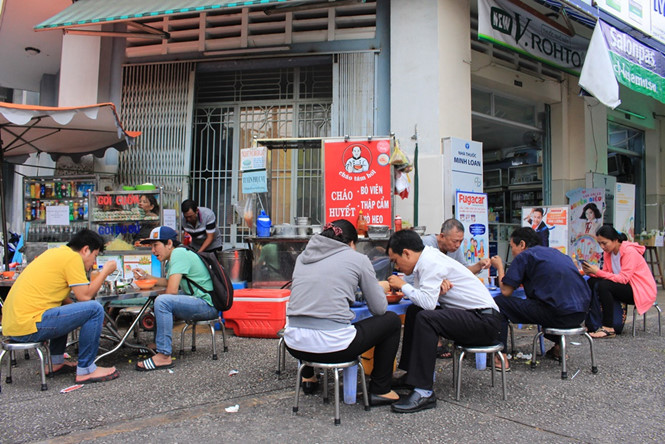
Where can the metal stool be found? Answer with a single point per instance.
(11, 347)
(210, 323)
(335, 367)
(281, 354)
(655, 304)
(562, 333)
(458, 354)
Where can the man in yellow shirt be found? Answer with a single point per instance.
(39, 307)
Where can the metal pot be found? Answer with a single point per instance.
(238, 263)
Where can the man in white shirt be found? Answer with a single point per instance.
(449, 242)
(466, 312)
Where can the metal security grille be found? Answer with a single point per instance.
(156, 100)
(266, 104)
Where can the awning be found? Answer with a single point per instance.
(614, 56)
(74, 131)
(96, 12)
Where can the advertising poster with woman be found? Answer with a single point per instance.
(471, 210)
(587, 206)
(551, 224)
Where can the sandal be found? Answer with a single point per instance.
(149, 365)
(555, 354)
(442, 352)
(601, 333)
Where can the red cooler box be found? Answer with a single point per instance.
(257, 312)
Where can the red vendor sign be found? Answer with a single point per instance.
(358, 177)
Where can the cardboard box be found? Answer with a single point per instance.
(257, 312)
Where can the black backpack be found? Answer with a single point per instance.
(222, 288)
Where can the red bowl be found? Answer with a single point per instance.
(8, 274)
(394, 298)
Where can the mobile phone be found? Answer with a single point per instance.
(583, 262)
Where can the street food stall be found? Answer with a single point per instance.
(335, 178)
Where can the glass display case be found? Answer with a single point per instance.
(120, 218)
(524, 197)
(275, 257)
(69, 193)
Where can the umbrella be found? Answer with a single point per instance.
(70, 131)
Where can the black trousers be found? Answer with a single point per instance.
(533, 311)
(607, 291)
(422, 329)
(382, 333)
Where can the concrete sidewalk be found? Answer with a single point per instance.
(622, 403)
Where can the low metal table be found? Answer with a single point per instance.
(111, 326)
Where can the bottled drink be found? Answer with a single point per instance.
(42, 189)
(28, 211)
(42, 211)
(361, 226)
(56, 190)
(63, 190)
(398, 223)
(33, 211)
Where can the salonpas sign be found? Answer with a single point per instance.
(615, 56)
(503, 23)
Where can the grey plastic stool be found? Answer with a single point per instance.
(562, 333)
(335, 367)
(11, 347)
(210, 323)
(458, 354)
(655, 304)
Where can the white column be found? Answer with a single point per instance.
(431, 90)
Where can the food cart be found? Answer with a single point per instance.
(340, 177)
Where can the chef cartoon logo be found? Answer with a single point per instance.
(356, 158)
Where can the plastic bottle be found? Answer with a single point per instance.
(350, 375)
(263, 223)
(361, 226)
(42, 211)
(398, 222)
(481, 361)
(28, 211)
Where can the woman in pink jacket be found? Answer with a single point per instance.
(625, 277)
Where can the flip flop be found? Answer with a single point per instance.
(149, 365)
(109, 377)
(64, 370)
(498, 368)
(602, 333)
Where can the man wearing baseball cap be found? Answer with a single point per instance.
(181, 299)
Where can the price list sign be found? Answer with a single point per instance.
(358, 177)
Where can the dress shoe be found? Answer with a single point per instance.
(400, 383)
(377, 400)
(310, 387)
(415, 402)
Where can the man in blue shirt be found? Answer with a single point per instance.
(556, 294)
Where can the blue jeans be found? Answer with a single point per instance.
(56, 324)
(181, 306)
